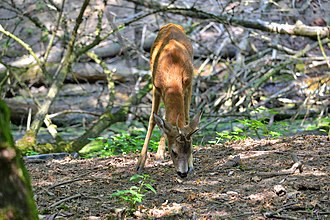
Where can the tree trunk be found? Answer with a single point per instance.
(16, 197)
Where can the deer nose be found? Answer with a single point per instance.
(182, 175)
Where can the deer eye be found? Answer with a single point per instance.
(174, 153)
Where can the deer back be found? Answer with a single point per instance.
(172, 70)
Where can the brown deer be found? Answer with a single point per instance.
(171, 62)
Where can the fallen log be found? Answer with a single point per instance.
(107, 49)
(75, 103)
(81, 72)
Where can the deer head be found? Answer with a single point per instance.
(179, 143)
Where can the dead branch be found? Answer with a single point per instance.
(71, 181)
(283, 217)
(98, 40)
(252, 81)
(276, 213)
(65, 199)
(297, 29)
(296, 166)
(51, 41)
(24, 45)
(69, 110)
(79, 179)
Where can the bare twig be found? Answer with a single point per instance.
(275, 214)
(22, 43)
(72, 111)
(65, 200)
(58, 22)
(296, 166)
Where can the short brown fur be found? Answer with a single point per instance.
(172, 72)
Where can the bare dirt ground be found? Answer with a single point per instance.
(251, 179)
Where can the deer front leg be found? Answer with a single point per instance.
(155, 107)
(190, 161)
(143, 155)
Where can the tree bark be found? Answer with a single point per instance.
(16, 197)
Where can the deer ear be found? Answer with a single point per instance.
(163, 125)
(194, 123)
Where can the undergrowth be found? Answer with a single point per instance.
(123, 142)
(262, 127)
(133, 196)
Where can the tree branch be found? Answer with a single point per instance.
(297, 29)
(22, 43)
(57, 84)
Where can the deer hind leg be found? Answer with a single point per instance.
(160, 155)
(187, 101)
(161, 148)
(154, 109)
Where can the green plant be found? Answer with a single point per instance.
(44, 36)
(123, 142)
(134, 195)
(30, 153)
(29, 31)
(322, 124)
(40, 6)
(45, 211)
(222, 136)
(252, 127)
(259, 125)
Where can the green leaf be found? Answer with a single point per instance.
(148, 186)
(120, 192)
(273, 111)
(134, 188)
(136, 177)
(300, 67)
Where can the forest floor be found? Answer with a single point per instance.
(250, 179)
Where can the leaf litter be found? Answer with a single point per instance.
(246, 179)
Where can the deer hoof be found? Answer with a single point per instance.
(139, 169)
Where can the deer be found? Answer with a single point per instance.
(171, 64)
